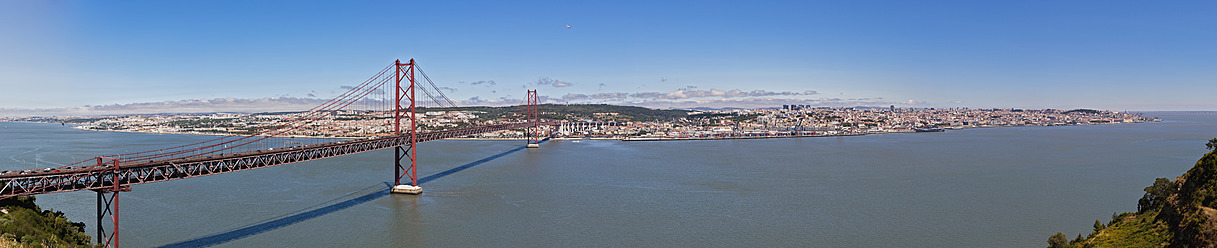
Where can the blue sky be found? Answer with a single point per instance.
(1117, 55)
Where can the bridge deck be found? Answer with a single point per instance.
(96, 178)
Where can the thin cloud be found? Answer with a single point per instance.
(488, 83)
(758, 102)
(613, 95)
(504, 101)
(555, 83)
(575, 97)
(736, 93)
(237, 105)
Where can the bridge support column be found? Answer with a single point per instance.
(399, 153)
(109, 205)
(533, 134)
(107, 208)
(406, 72)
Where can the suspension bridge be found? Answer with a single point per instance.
(108, 175)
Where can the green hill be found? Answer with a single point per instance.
(1178, 213)
(24, 224)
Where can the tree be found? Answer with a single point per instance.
(1098, 227)
(1155, 195)
(1058, 240)
(1212, 144)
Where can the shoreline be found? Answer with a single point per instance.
(615, 138)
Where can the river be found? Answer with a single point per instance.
(984, 187)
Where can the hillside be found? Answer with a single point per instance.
(1172, 213)
(24, 224)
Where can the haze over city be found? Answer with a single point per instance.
(150, 56)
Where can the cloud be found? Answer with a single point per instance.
(449, 89)
(488, 83)
(913, 102)
(765, 102)
(555, 83)
(504, 101)
(736, 93)
(688, 97)
(651, 95)
(614, 95)
(597, 96)
(575, 97)
(268, 104)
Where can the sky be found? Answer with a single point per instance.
(158, 55)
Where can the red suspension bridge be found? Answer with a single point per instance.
(269, 146)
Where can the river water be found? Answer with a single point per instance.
(988, 187)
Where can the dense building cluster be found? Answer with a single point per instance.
(790, 120)
(795, 120)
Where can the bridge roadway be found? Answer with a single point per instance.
(103, 177)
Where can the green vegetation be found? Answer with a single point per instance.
(1083, 111)
(27, 225)
(1156, 194)
(1131, 230)
(1177, 213)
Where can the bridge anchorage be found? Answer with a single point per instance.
(277, 143)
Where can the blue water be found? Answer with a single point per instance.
(991, 187)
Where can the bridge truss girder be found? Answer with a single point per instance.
(107, 177)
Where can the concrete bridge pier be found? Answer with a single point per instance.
(406, 189)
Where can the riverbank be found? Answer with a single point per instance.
(904, 190)
(746, 135)
(752, 135)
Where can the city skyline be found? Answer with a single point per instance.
(1102, 55)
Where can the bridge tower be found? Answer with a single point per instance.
(108, 205)
(533, 134)
(405, 72)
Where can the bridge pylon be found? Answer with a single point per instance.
(532, 114)
(108, 205)
(406, 149)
